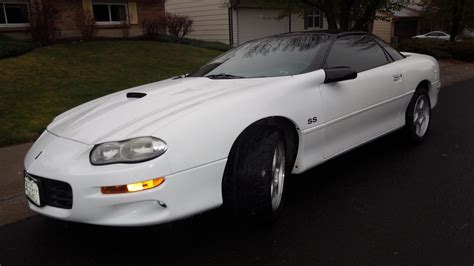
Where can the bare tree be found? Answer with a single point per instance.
(178, 26)
(86, 23)
(43, 21)
(341, 15)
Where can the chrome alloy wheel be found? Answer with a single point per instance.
(421, 116)
(278, 176)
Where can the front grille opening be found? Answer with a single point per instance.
(57, 193)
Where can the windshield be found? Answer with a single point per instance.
(269, 57)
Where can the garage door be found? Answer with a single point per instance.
(254, 23)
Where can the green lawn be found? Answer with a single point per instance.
(37, 86)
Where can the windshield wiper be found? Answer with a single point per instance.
(224, 76)
(182, 76)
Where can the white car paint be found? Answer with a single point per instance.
(200, 119)
(434, 35)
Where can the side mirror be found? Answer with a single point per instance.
(337, 74)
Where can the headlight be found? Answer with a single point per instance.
(128, 151)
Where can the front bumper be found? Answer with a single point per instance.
(183, 193)
(433, 93)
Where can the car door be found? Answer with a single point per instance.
(444, 36)
(432, 35)
(361, 109)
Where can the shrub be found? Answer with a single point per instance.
(463, 50)
(43, 21)
(435, 48)
(177, 26)
(153, 27)
(10, 47)
(86, 23)
(125, 27)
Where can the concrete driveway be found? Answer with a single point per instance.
(13, 206)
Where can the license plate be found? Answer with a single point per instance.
(32, 190)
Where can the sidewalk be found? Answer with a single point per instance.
(13, 204)
(453, 71)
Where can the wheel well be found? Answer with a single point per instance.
(289, 130)
(425, 84)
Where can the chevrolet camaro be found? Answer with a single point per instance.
(230, 133)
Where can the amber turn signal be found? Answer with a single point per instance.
(135, 187)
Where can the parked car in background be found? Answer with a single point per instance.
(434, 35)
(231, 132)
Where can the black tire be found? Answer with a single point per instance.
(411, 128)
(248, 176)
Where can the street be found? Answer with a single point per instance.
(385, 203)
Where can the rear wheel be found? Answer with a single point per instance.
(418, 116)
(254, 180)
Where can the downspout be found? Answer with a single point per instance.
(231, 26)
(230, 15)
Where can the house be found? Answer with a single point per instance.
(216, 20)
(110, 15)
(400, 25)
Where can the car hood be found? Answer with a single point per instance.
(118, 117)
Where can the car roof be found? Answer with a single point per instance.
(436, 31)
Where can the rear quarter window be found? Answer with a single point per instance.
(394, 53)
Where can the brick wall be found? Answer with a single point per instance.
(149, 9)
(69, 11)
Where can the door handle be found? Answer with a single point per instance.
(397, 78)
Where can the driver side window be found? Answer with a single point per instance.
(360, 52)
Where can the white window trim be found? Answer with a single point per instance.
(110, 22)
(314, 16)
(13, 25)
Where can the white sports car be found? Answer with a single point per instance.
(230, 133)
(434, 35)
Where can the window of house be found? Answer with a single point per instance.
(13, 14)
(110, 13)
(359, 52)
(313, 19)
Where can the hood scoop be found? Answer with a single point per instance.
(135, 95)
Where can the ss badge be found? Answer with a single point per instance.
(312, 120)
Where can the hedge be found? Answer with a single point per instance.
(199, 43)
(462, 50)
(10, 47)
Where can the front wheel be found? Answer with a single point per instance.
(418, 116)
(254, 180)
